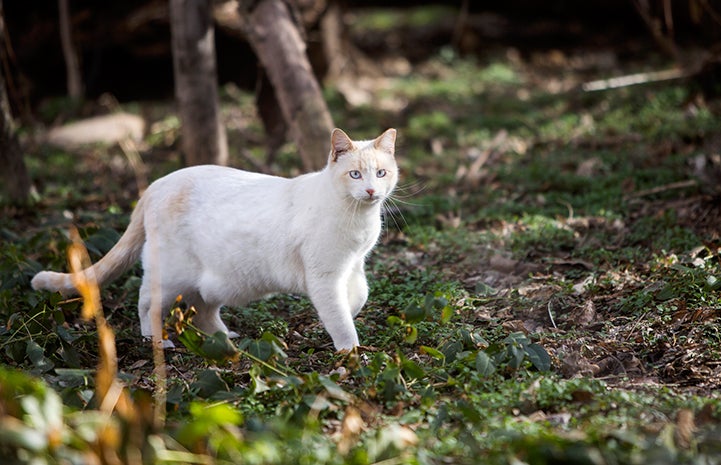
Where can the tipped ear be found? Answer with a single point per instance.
(386, 141)
(340, 143)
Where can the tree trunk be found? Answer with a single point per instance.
(12, 166)
(72, 66)
(278, 43)
(196, 84)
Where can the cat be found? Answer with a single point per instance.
(222, 236)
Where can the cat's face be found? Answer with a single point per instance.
(366, 171)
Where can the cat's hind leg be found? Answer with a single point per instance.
(207, 319)
(146, 313)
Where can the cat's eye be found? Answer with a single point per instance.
(355, 174)
(381, 173)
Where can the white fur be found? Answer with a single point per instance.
(221, 236)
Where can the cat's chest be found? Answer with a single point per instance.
(361, 236)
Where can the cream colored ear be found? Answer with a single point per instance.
(386, 141)
(340, 143)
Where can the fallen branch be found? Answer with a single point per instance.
(664, 188)
(634, 79)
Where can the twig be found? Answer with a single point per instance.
(550, 315)
(664, 188)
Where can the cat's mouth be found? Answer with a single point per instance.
(370, 199)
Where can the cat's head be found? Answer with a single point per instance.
(366, 170)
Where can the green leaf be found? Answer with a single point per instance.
(276, 343)
(208, 383)
(484, 364)
(516, 355)
(414, 313)
(69, 354)
(435, 353)
(100, 242)
(260, 349)
(538, 357)
(64, 334)
(666, 293)
(411, 334)
(712, 283)
(484, 290)
(16, 351)
(334, 390)
(36, 354)
(192, 340)
(218, 348)
(451, 350)
(516, 338)
(412, 369)
(446, 314)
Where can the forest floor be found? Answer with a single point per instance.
(547, 288)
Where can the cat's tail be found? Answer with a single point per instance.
(121, 257)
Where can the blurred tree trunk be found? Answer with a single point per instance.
(72, 66)
(196, 84)
(14, 174)
(276, 37)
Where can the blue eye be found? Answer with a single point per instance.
(381, 173)
(355, 174)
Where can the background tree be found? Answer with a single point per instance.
(14, 174)
(196, 84)
(278, 42)
(72, 64)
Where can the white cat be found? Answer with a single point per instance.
(221, 236)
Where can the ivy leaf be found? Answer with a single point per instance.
(411, 334)
(218, 348)
(192, 340)
(517, 354)
(208, 383)
(446, 314)
(414, 313)
(435, 353)
(484, 364)
(412, 369)
(538, 357)
(333, 390)
(36, 354)
(69, 354)
(712, 283)
(451, 350)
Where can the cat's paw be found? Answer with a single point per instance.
(233, 335)
(167, 343)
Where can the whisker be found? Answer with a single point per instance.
(397, 201)
(414, 188)
(391, 213)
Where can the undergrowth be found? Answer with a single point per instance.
(547, 290)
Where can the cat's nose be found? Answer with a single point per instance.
(370, 192)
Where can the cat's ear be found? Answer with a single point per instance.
(340, 143)
(386, 142)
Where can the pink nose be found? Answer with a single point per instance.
(370, 192)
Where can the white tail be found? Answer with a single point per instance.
(113, 264)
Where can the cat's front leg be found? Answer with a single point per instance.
(330, 298)
(357, 289)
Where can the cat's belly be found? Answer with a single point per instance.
(253, 278)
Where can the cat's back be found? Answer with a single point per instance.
(209, 175)
(211, 192)
(203, 181)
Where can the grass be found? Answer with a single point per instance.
(544, 306)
